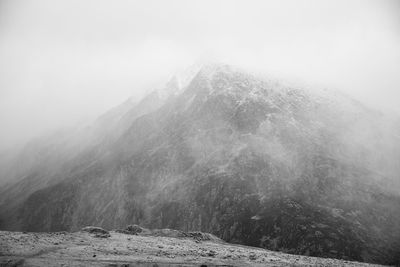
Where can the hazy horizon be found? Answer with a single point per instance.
(64, 62)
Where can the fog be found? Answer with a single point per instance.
(66, 62)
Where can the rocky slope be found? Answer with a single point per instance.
(85, 249)
(251, 160)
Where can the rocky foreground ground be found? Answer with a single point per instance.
(97, 247)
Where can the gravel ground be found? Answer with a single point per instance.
(84, 249)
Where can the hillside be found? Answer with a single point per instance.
(81, 248)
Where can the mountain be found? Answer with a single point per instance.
(249, 159)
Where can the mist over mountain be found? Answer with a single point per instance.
(249, 159)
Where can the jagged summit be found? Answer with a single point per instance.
(181, 80)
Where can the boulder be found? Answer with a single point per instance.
(134, 229)
(131, 230)
(97, 231)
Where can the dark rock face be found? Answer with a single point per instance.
(251, 161)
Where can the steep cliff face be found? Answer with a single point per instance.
(253, 161)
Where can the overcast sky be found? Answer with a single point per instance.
(62, 62)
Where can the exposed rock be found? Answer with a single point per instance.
(253, 256)
(211, 253)
(134, 229)
(199, 236)
(131, 230)
(97, 231)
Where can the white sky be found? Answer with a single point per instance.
(66, 61)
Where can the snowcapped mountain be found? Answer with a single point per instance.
(251, 160)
